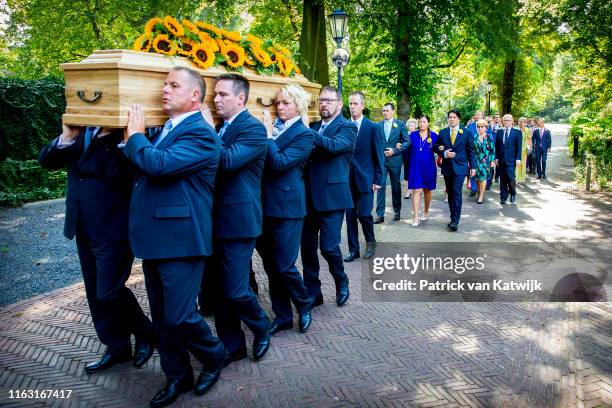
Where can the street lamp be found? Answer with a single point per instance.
(338, 20)
(489, 88)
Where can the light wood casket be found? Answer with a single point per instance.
(101, 88)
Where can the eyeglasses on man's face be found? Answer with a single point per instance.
(327, 100)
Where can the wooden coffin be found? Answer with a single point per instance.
(101, 88)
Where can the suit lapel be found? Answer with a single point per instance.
(288, 135)
(177, 130)
(230, 133)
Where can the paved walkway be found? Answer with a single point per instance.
(370, 354)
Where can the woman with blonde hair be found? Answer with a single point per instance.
(484, 149)
(521, 170)
(284, 206)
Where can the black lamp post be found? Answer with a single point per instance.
(489, 88)
(338, 20)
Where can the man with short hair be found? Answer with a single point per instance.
(541, 144)
(508, 143)
(365, 178)
(327, 196)
(392, 131)
(456, 147)
(237, 219)
(170, 229)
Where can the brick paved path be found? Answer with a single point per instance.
(367, 353)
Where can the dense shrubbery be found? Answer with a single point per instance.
(30, 115)
(595, 145)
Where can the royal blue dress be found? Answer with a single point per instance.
(423, 171)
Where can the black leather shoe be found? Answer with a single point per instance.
(275, 327)
(369, 252)
(233, 356)
(261, 346)
(305, 320)
(472, 193)
(142, 353)
(171, 392)
(209, 377)
(379, 220)
(396, 217)
(503, 202)
(453, 227)
(512, 199)
(544, 177)
(107, 361)
(317, 300)
(351, 257)
(342, 294)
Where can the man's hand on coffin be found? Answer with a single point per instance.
(136, 122)
(70, 133)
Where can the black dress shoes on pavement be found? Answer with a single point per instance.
(142, 353)
(317, 300)
(452, 226)
(208, 377)
(512, 199)
(305, 320)
(379, 220)
(276, 326)
(396, 217)
(108, 360)
(233, 356)
(342, 294)
(171, 392)
(351, 256)
(261, 344)
(369, 252)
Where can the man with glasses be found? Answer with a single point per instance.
(508, 143)
(393, 131)
(327, 195)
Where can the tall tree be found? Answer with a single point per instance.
(313, 43)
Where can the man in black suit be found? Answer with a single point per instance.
(392, 132)
(508, 143)
(97, 206)
(541, 143)
(366, 178)
(456, 147)
(327, 196)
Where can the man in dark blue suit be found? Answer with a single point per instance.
(284, 207)
(97, 207)
(170, 229)
(327, 195)
(541, 143)
(508, 143)
(455, 146)
(392, 131)
(366, 178)
(237, 219)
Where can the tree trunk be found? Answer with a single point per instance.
(508, 86)
(402, 41)
(313, 45)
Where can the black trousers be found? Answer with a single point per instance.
(172, 286)
(115, 312)
(394, 173)
(362, 211)
(454, 185)
(507, 181)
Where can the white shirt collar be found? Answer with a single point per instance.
(178, 119)
(230, 120)
(358, 121)
(290, 122)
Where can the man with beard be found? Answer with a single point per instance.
(327, 196)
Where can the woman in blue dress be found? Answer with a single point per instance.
(423, 172)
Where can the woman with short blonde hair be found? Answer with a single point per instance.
(297, 95)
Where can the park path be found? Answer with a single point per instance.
(368, 354)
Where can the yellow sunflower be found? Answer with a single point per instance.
(174, 26)
(185, 46)
(208, 27)
(204, 57)
(208, 41)
(163, 45)
(261, 56)
(142, 43)
(255, 41)
(151, 25)
(298, 70)
(192, 27)
(221, 44)
(282, 50)
(231, 35)
(247, 60)
(234, 55)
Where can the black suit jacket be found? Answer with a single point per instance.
(398, 134)
(98, 185)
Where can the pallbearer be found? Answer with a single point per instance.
(284, 206)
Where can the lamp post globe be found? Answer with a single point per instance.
(338, 21)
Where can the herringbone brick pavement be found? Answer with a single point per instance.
(366, 354)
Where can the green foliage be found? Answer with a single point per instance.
(30, 115)
(595, 144)
(23, 181)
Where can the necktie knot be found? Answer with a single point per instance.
(279, 127)
(322, 128)
(223, 128)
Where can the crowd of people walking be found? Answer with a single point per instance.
(194, 201)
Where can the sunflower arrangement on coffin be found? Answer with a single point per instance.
(207, 45)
